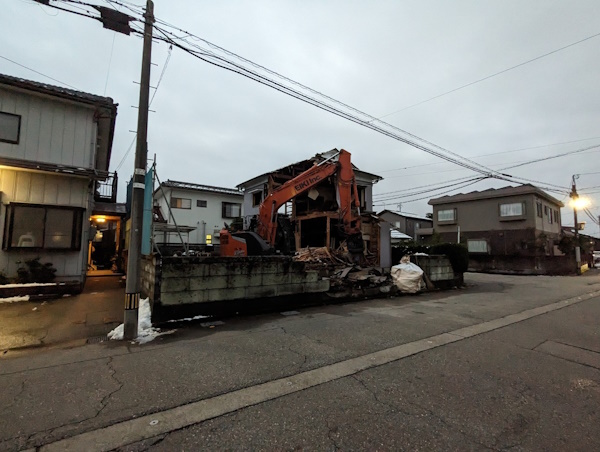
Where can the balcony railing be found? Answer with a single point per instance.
(106, 190)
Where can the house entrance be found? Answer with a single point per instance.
(104, 245)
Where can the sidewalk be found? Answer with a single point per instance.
(91, 314)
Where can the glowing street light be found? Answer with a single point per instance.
(579, 203)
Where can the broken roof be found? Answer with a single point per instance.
(294, 169)
(197, 187)
(524, 189)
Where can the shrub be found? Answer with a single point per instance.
(36, 272)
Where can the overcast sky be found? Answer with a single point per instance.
(214, 127)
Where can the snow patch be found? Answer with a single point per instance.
(14, 299)
(7, 286)
(189, 319)
(146, 332)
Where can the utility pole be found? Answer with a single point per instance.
(575, 197)
(132, 288)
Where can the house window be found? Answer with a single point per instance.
(10, 127)
(556, 216)
(538, 208)
(34, 226)
(515, 209)
(201, 203)
(397, 224)
(446, 215)
(181, 203)
(477, 246)
(256, 198)
(362, 197)
(231, 210)
(548, 213)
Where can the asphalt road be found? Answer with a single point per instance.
(507, 363)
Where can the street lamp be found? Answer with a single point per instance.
(577, 203)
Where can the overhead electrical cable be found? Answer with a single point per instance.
(208, 56)
(37, 72)
(492, 153)
(491, 76)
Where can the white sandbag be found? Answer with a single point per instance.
(408, 277)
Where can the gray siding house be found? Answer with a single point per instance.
(415, 226)
(55, 147)
(521, 220)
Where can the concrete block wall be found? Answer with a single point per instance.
(190, 280)
(438, 268)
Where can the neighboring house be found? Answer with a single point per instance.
(522, 220)
(414, 226)
(55, 146)
(193, 212)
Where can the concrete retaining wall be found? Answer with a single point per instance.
(439, 270)
(523, 265)
(176, 281)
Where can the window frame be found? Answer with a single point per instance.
(199, 203)
(539, 209)
(487, 246)
(76, 227)
(224, 205)
(450, 221)
(173, 206)
(257, 194)
(4, 140)
(519, 216)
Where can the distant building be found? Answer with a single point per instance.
(521, 220)
(414, 226)
(193, 213)
(55, 147)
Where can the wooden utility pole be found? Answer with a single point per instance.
(132, 288)
(574, 197)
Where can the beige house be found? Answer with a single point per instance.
(521, 220)
(55, 146)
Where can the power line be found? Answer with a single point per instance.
(443, 193)
(493, 153)
(420, 192)
(492, 75)
(37, 72)
(208, 56)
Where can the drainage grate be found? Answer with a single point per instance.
(97, 339)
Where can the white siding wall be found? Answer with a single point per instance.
(47, 189)
(248, 209)
(206, 220)
(52, 131)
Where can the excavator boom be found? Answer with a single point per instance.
(347, 193)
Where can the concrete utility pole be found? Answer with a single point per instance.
(132, 288)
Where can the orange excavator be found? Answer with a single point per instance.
(262, 241)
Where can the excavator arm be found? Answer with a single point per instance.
(347, 194)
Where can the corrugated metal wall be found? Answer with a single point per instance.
(51, 131)
(47, 189)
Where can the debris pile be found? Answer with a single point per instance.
(356, 281)
(318, 255)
